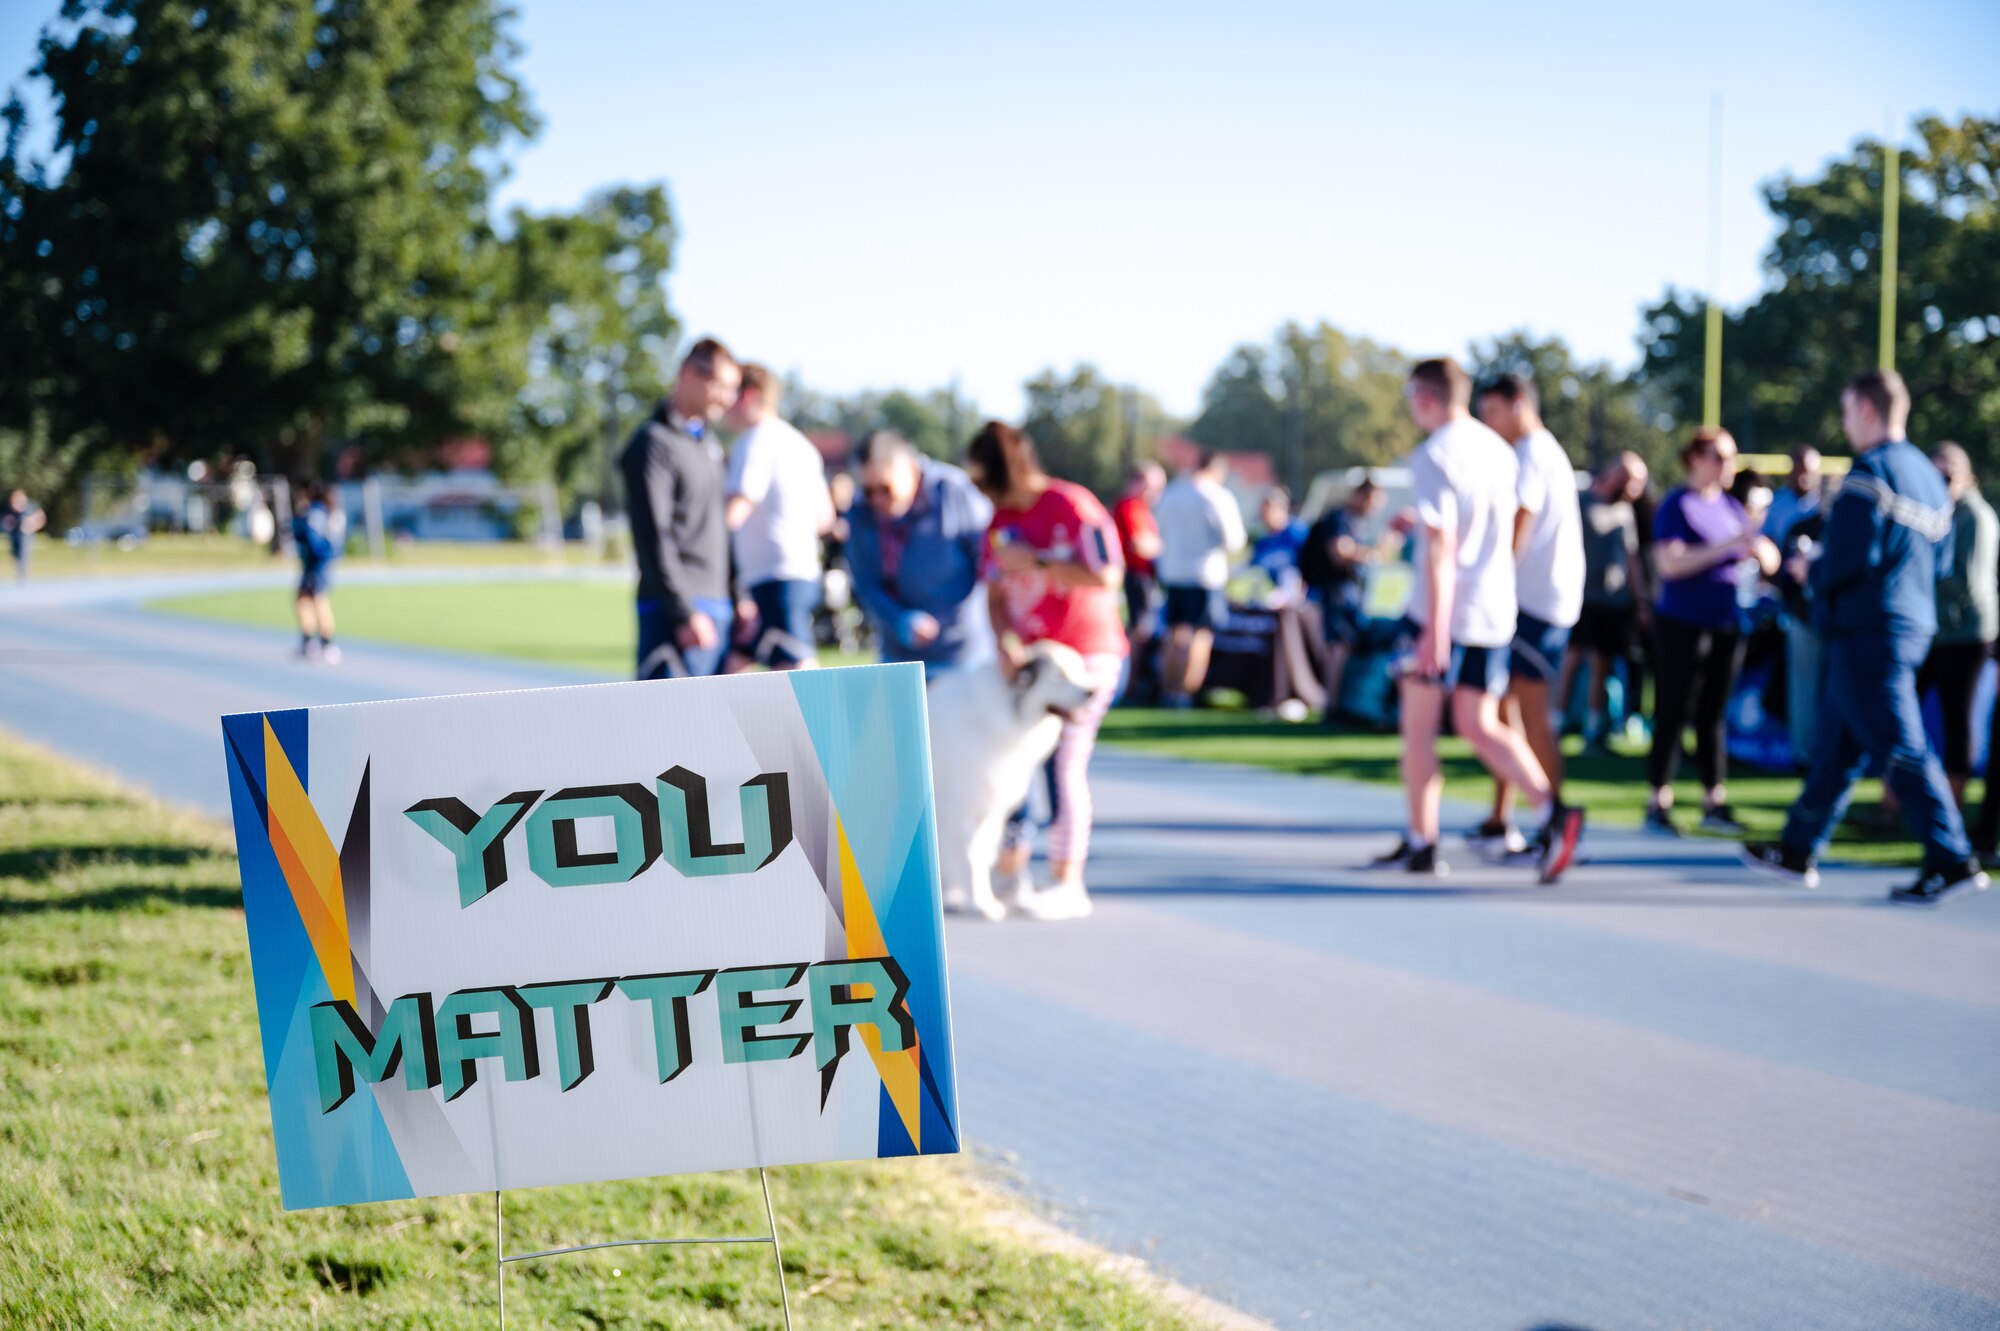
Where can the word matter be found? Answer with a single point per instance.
(439, 1044)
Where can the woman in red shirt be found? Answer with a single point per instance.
(1052, 571)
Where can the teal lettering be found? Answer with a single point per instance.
(635, 822)
(835, 1012)
(341, 1044)
(741, 1017)
(460, 1047)
(668, 994)
(690, 843)
(569, 1008)
(477, 844)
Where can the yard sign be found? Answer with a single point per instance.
(504, 940)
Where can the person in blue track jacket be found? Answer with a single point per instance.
(1874, 599)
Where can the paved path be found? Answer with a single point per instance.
(1662, 1095)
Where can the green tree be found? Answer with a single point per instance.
(1592, 409)
(1315, 398)
(1089, 430)
(264, 227)
(1786, 354)
(589, 291)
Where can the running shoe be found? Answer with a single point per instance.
(1782, 862)
(1425, 861)
(1935, 884)
(1059, 901)
(1661, 823)
(1399, 855)
(1497, 841)
(1559, 841)
(330, 654)
(1721, 818)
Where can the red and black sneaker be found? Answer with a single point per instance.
(1559, 841)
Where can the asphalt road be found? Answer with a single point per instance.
(1663, 1094)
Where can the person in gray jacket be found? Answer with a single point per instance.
(673, 496)
(1968, 612)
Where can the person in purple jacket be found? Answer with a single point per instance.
(1704, 543)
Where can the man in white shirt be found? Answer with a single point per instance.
(1548, 587)
(1200, 527)
(1466, 480)
(777, 509)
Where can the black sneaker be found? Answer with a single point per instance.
(1794, 866)
(1721, 818)
(1559, 840)
(1497, 841)
(1425, 861)
(1660, 823)
(1936, 883)
(1399, 855)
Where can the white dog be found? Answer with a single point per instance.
(988, 738)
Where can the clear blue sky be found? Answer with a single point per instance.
(888, 194)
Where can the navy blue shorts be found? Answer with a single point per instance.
(785, 622)
(1196, 607)
(315, 581)
(1538, 649)
(1480, 668)
(660, 654)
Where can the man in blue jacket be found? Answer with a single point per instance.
(1874, 600)
(914, 544)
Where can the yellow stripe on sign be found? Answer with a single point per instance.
(898, 1070)
(310, 863)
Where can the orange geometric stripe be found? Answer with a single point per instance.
(311, 865)
(899, 1070)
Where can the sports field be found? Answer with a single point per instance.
(589, 625)
(138, 1188)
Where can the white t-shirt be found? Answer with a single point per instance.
(1199, 525)
(1548, 578)
(1465, 478)
(779, 471)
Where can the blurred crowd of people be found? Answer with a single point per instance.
(1851, 599)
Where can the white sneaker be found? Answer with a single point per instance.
(330, 654)
(1062, 901)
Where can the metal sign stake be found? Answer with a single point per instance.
(502, 1257)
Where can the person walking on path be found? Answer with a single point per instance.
(1968, 614)
(1548, 589)
(313, 535)
(914, 545)
(1614, 599)
(1200, 527)
(1874, 592)
(1701, 535)
(1052, 572)
(778, 508)
(21, 519)
(1465, 479)
(673, 475)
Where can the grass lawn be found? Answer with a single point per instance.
(169, 552)
(1612, 789)
(590, 625)
(138, 1188)
(584, 624)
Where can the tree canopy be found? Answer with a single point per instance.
(1786, 354)
(264, 227)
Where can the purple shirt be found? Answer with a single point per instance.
(1707, 598)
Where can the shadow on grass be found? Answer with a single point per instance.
(130, 897)
(44, 862)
